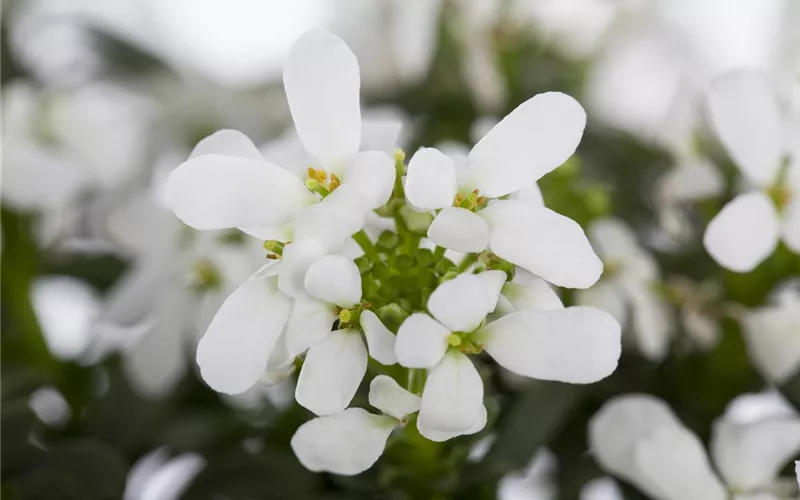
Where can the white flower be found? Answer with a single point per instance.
(378, 34)
(350, 442)
(578, 345)
(640, 439)
(691, 180)
(227, 183)
(746, 117)
(63, 144)
(628, 288)
(532, 140)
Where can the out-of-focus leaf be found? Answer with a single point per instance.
(535, 416)
(18, 453)
(84, 469)
(267, 474)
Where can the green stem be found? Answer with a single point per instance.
(468, 260)
(439, 253)
(369, 249)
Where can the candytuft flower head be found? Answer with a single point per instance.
(348, 260)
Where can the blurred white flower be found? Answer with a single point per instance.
(378, 33)
(351, 441)
(509, 158)
(747, 119)
(640, 439)
(156, 476)
(690, 181)
(628, 290)
(62, 145)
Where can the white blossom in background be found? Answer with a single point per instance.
(252, 37)
(629, 288)
(309, 302)
(61, 146)
(690, 181)
(378, 34)
(177, 282)
(763, 143)
(639, 439)
(770, 332)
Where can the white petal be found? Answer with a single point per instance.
(606, 296)
(386, 395)
(744, 232)
(296, 259)
(309, 322)
(66, 308)
(791, 223)
(461, 303)
(347, 443)
(544, 242)
(332, 372)
(693, 180)
(535, 138)
(381, 129)
(578, 344)
(435, 434)
(494, 281)
(334, 279)
(453, 394)
(414, 55)
(373, 173)
(421, 341)
(529, 194)
(675, 462)
(336, 218)
(616, 243)
(380, 340)
(430, 180)
(603, 488)
(750, 456)
(528, 291)
(322, 83)
(772, 340)
(652, 322)
(171, 480)
(459, 229)
(620, 424)
(233, 353)
(219, 192)
(228, 143)
(744, 114)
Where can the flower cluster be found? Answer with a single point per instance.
(640, 439)
(421, 266)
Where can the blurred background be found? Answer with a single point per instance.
(105, 293)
